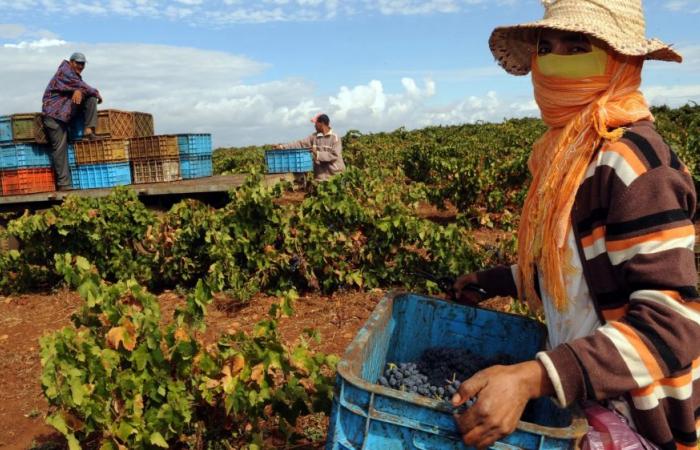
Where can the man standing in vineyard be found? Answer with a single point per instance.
(65, 96)
(606, 238)
(326, 148)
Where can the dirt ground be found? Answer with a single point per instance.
(25, 318)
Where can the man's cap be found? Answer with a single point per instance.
(323, 118)
(78, 57)
(618, 23)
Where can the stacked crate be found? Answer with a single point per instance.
(25, 163)
(154, 159)
(195, 155)
(102, 163)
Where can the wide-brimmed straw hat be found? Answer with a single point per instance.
(618, 23)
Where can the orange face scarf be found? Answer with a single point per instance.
(580, 113)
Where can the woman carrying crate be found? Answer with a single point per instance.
(606, 238)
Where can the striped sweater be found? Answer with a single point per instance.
(632, 219)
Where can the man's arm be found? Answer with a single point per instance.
(303, 143)
(67, 81)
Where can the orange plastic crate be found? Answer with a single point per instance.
(27, 181)
(115, 124)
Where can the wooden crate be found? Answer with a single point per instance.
(143, 124)
(153, 148)
(115, 124)
(155, 171)
(28, 128)
(100, 151)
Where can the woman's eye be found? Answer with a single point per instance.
(580, 49)
(544, 51)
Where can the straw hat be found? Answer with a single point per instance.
(618, 23)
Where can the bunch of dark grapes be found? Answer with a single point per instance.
(407, 377)
(294, 263)
(437, 374)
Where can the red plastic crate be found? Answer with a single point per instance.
(27, 181)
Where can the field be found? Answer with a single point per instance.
(196, 327)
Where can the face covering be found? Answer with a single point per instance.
(584, 65)
(580, 113)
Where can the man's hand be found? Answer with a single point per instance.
(501, 392)
(99, 98)
(77, 97)
(279, 147)
(466, 296)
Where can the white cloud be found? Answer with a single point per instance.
(684, 6)
(223, 12)
(11, 30)
(672, 95)
(36, 45)
(203, 91)
(17, 31)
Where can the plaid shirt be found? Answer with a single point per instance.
(57, 102)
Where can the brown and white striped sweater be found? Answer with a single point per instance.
(632, 219)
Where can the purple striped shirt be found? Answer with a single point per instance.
(57, 102)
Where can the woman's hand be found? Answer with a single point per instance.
(501, 393)
(464, 295)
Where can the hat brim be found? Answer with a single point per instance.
(513, 46)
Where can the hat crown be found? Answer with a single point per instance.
(626, 16)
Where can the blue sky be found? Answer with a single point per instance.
(254, 72)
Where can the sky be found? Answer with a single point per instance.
(255, 72)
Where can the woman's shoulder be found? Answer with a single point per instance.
(643, 147)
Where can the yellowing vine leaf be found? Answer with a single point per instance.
(258, 373)
(181, 335)
(124, 335)
(238, 364)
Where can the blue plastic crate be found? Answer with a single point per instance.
(369, 416)
(196, 167)
(194, 145)
(17, 156)
(5, 129)
(93, 176)
(286, 161)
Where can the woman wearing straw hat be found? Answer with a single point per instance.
(605, 241)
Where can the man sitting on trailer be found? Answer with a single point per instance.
(65, 97)
(326, 147)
